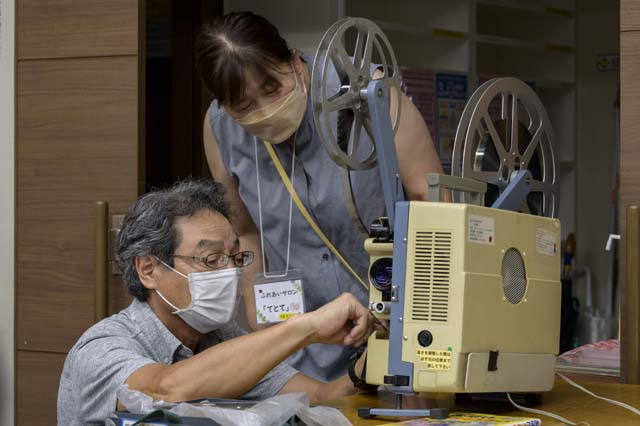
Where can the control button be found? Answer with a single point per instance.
(425, 338)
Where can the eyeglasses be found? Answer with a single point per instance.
(221, 260)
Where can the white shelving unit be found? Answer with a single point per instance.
(533, 40)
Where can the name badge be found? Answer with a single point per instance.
(278, 296)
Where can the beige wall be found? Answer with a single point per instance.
(597, 32)
(6, 210)
(301, 23)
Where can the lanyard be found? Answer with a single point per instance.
(303, 210)
(293, 163)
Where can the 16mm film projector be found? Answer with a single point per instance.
(471, 289)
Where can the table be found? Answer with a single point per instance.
(564, 400)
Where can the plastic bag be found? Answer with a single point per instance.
(274, 411)
(135, 401)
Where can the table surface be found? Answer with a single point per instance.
(564, 400)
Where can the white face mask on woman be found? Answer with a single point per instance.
(214, 298)
(277, 121)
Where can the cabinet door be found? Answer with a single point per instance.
(76, 28)
(37, 387)
(77, 143)
(629, 15)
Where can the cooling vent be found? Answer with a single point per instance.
(431, 275)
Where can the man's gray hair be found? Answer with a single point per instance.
(149, 225)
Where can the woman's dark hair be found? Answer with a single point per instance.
(233, 44)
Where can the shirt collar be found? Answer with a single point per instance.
(164, 343)
(167, 347)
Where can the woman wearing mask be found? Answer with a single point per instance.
(262, 104)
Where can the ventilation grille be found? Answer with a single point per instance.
(514, 276)
(431, 275)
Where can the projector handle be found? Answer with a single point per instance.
(438, 183)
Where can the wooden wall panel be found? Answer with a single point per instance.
(629, 157)
(76, 28)
(630, 117)
(629, 15)
(37, 387)
(77, 142)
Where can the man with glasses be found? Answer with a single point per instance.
(182, 261)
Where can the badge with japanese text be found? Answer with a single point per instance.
(278, 296)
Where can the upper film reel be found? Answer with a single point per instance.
(354, 68)
(505, 128)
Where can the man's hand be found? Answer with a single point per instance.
(342, 321)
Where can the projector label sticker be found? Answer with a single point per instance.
(481, 230)
(435, 360)
(546, 242)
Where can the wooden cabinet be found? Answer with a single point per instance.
(77, 141)
(629, 179)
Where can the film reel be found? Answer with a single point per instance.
(354, 69)
(505, 128)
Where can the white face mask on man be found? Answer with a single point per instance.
(214, 298)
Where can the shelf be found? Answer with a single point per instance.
(528, 7)
(422, 31)
(526, 44)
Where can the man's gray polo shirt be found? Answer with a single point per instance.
(110, 351)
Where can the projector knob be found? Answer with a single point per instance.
(425, 338)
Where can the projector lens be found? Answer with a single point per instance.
(380, 273)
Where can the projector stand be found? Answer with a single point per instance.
(398, 411)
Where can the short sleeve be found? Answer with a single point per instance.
(97, 368)
(271, 384)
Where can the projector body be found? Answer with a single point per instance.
(473, 301)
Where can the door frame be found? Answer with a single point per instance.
(7, 211)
